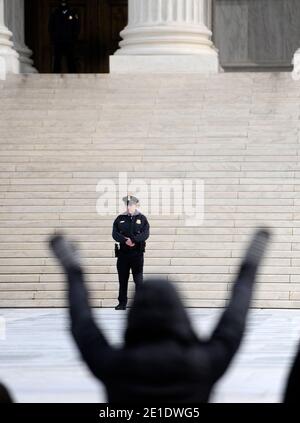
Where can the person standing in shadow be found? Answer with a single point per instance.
(162, 358)
(64, 30)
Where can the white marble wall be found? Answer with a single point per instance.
(257, 32)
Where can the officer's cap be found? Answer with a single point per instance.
(130, 200)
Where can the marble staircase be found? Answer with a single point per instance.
(238, 132)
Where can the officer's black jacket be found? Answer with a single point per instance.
(162, 358)
(64, 27)
(136, 228)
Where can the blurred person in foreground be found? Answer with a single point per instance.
(5, 395)
(162, 358)
(292, 390)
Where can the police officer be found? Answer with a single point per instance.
(131, 230)
(64, 29)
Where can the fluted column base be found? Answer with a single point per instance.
(296, 63)
(14, 14)
(26, 63)
(183, 63)
(166, 36)
(9, 62)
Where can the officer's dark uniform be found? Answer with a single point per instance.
(64, 29)
(136, 228)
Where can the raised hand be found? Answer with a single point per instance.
(65, 251)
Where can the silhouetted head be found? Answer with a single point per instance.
(5, 397)
(64, 3)
(157, 314)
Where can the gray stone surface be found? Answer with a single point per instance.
(256, 32)
(39, 362)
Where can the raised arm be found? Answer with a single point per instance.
(93, 346)
(292, 390)
(229, 332)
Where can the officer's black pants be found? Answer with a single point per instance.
(133, 261)
(66, 50)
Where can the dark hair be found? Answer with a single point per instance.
(157, 314)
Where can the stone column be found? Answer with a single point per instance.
(296, 63)
(166, 36)
(9, 62)
(15, 20)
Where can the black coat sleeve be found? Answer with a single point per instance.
(229, 332)
(292, 390)
(94, 348)
(144, 234)
(117, 236)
